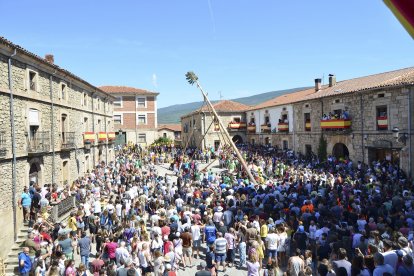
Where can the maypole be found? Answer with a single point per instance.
(192, 78)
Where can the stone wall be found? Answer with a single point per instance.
(81, 101)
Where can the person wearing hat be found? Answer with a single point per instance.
(390, 256)
(405, 248)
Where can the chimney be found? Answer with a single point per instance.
(49, 58)
(318, 84)
(332, 80)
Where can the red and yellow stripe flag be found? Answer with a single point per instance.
(404, 11)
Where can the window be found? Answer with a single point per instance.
(98, 104)
(236, 119)
(118, 119)
(32, 81)
(164, 135)
(337, 101)
(99, 125)
(86, 124)
(142, 120)
(2, 139)
(141, 102)
(382, 118)
(85, 100)
(64, 126)
(118, 102)
(382, 95)
(285, 145)
(63, 91)
(34, 117)
(252, 121)
(267, 119)
(307, 121)
(142, 138)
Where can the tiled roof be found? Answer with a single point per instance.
(393, 78)
(173, 127)
(227, 106)
(387, 79)
(285, 99)
(20, 49)
(125, 89)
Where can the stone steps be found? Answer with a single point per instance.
(11, 263)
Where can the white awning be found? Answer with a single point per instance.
(34, 117)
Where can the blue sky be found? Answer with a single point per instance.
(240, 47)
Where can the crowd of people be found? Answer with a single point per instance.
(299, 216)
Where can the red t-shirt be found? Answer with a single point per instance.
(110, 249)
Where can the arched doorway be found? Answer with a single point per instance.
(34, 172)
(237, 139)
(340, 151)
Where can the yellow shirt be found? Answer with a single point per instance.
(263, 231)
(72, 224)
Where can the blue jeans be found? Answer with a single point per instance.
(85, 260)
(242, 252)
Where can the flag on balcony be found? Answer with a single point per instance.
(404, 11)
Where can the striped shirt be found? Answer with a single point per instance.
(220, 245)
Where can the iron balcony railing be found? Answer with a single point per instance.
(68, 140)
(40, 142)
(3, 147)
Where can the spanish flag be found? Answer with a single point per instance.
(404, 11)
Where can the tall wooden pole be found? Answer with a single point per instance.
(192, 78)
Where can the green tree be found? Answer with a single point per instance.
(322, 149)
(163, 141)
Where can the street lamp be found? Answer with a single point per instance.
(400, 137)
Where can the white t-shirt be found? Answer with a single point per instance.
(97, 207)
(272, 240)
(195, 231)
(179, 202)
(87, 208)
(118, 208)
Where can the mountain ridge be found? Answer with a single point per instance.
(172, 114)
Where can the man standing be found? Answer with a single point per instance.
(187, 244)
(25, 202)
(220, 245)
(196, 234)
(25, 263)
(380, 267)
(342, 262)
(84, 248)
(210, 233)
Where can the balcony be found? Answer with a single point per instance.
(3, 147)
(336, 124)
(308, 125)
(382, 122)
(111, 137)
(266, 128)
(102, 137)
(88, 139)
(39, 143)
(251, 128)
(283, 127)
(68, 141)
(237, 125)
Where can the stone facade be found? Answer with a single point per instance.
(203, 126)
(364, 140)
(49, 123)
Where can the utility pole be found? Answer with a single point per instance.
(192, 78)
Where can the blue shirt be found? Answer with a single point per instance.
(27, 263)
(210, 232)
(26, 200)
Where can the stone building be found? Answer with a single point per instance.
(171, 131)
(272, 122)
(54, 126)
(366, 119)
(199, 124)
(373, 108)
(135, 114)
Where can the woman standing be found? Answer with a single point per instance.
(253, 266)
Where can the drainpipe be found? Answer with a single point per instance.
(294, 132)
(13, 136)
(410, 91)
(106, 148)
(52, 124)
(136, 119)
(362, 127)
(204, 129)
(93, 127)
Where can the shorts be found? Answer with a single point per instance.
(187, 251)
(272, 253)
(197, 243)
(220, 258)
